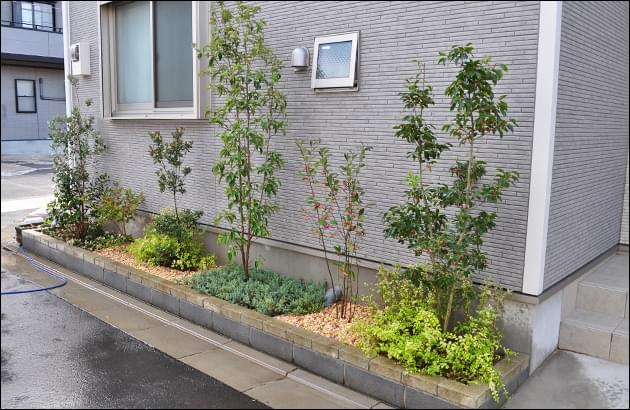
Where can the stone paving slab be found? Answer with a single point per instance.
(298, 396)
(231, 370)
(173, 342)
(125, 319)
(570, 380)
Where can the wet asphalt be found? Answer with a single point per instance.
(55, 355)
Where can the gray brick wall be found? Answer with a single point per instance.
(623, 238)
(591, 145)
(392, 35)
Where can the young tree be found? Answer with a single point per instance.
(75, 144)
(169, 156)
(119, 205)
(338, 213)
(452, 241)
(245, 76)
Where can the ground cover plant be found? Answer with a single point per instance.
(265, 291)
(445, 224)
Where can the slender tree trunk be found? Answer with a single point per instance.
(244, 260)
(449, 307)
(175, 203)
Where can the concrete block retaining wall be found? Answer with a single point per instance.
(378, 377)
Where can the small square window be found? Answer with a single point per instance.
(25, 101)
(335, 61)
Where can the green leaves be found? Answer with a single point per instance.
(118, 205)
(267, 292)
(336, 209)
(405, 327)
(446, 223)
(75, 144)
(168, 156)
(245, 76)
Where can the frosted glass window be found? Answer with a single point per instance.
(173, 54)
(25, 96)
(334, 60)
(133, 53)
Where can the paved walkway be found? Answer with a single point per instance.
(259, 376)
(570, 380)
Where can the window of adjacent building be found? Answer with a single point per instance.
(29, 14)
(151, 59)
(335, 61)
(25, 101)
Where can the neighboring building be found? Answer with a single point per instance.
(567, 86)
(32, 74)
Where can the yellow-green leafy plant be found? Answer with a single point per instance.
(405, 328)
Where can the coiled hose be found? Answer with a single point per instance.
(40, 267)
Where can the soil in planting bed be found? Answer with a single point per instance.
(326, 323)
(120, 254)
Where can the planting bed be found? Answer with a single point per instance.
(344, 364)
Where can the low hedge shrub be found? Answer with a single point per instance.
(265, 291)
(173, 243)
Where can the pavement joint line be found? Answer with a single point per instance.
(200, 336)
(324, 390)
(263, 384)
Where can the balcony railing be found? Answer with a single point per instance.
(30, 26)
(32, 15)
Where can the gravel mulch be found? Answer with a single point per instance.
(326, 323)
(120, 254)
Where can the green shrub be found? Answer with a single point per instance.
(118, 205)
(106, 240)
(265, 291)
(407, 330)
(173, 242)
(164, 250)
(75, 146)
(167, 223)
(155, 249)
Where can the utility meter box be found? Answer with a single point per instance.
(80, 58)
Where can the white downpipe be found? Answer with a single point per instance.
(65, 14)
(543, 145)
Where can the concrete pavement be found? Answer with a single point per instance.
(570, 380)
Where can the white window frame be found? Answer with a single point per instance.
(107, 39)
(348, 82)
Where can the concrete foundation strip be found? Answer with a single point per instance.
(202, 337)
